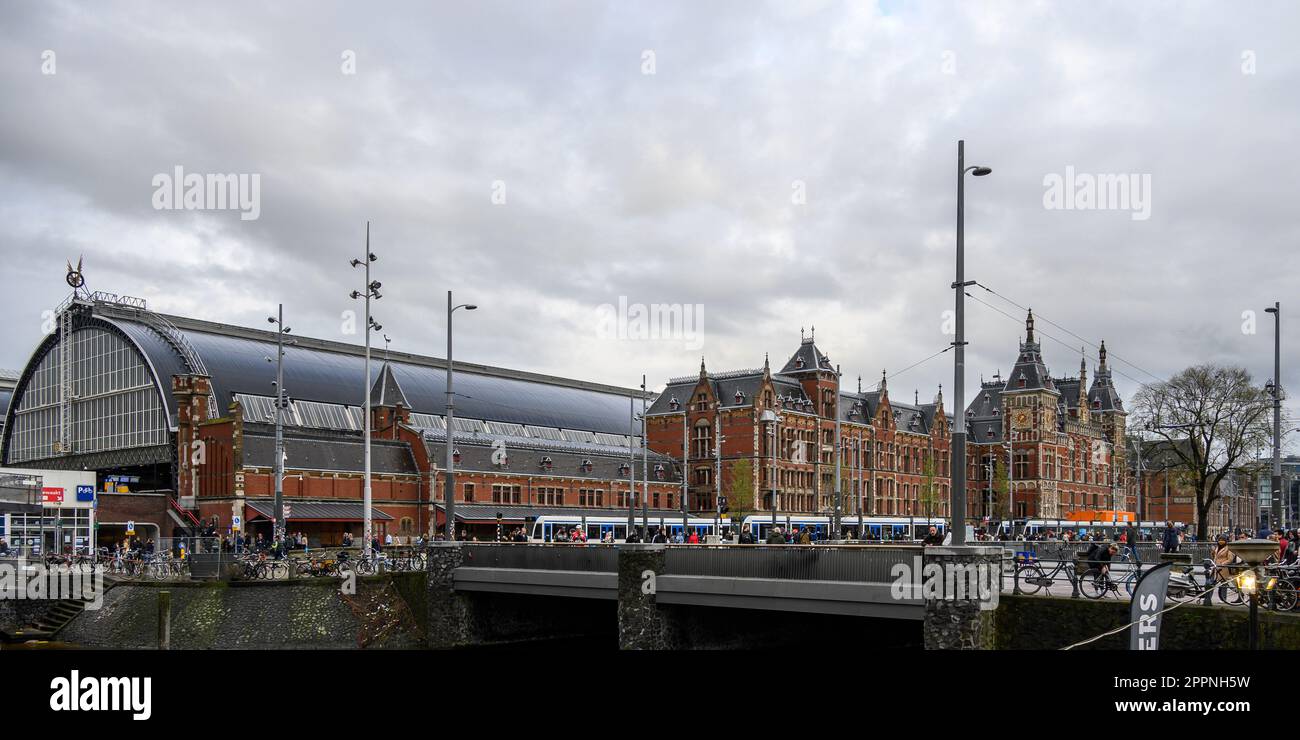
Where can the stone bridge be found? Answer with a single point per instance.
(654, 584)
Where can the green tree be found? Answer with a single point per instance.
(1211, 417)
(740, 496)
(930, 497)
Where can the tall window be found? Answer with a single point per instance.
(701, 441)
(115, 402)
(1022, 464)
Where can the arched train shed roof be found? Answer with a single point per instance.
(236, 360)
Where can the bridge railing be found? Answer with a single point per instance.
(1060, 549)
(857, 564)
(593, 558)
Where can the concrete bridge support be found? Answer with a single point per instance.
(642, 625)
(451, 615)
(960, 605)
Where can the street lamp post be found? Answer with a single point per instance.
(1255, 553)
(281, 402)
(686, 441)
(371, 291)
(773, 420)
(839, 463)
(957, 503)
(451, 405)
(1276, 506)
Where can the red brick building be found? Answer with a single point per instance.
(179, 412)
(894, 460)
(1056, 441)
(1059, 442)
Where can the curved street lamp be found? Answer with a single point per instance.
(957, 503)
(451, 458)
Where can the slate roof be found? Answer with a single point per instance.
(1103, 394)
(387, 391)
(525, 456)
(984, 414)
(808, 358)
(333, 372)
(1030, 372)
(301, 511)
(326, 452)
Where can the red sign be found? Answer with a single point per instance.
(52, 495)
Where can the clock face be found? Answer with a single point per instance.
(1021, 420)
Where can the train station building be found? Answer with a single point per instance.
(1038, 446)
(174, 418)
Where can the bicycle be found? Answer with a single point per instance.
(1031, 577)
(1283, 595)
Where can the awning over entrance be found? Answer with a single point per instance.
(304, 511)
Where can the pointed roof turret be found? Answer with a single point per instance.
(807, 359)
(1103, 396)
(386, 391)
(1030, 372)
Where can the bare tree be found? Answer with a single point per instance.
(1211, 416)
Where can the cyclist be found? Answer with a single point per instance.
(1101, 558)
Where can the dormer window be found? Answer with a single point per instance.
(547, 463)
(1096, 404)
(659, 472)
(674, 404)
(504, 462)
(1020, 381)
(740, 396)
(455, 456)
(587, 466)
(624, 469)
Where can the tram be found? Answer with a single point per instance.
(1148, 531)
(874, 528)
(545, 528)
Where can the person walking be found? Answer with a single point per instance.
(1131, 542)
(1169, 538)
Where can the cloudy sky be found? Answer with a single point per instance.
(781, 165)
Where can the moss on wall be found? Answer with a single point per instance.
(1050, 623)
(297, 614)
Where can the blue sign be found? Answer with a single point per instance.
(85, 493)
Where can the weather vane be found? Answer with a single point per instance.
(74, 276)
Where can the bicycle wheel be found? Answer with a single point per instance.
(279, 571)
(1130, 583)
(1031, 578)
(365, 567)
(1094, 584)
(1282, 597)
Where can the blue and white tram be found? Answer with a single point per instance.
(546, 528)
(874, 528)
(1148, 531)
